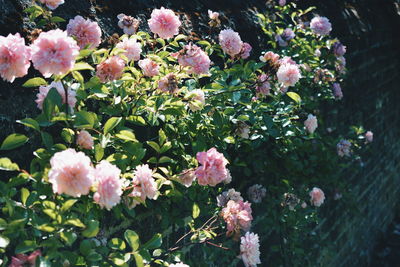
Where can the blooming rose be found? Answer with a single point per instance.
(237, 215)
(54, 52)
(263, 86)
(311, 123)
(231, 194)
(246, 49)
(270, 57)
(111, 69)
(196, 59)
(71, 173)
(256, 192)
(149, 67)
(197, 100)
(85, 31)
(164, 22)
(213, 15)
(320, 25)
(250, 250)
(287, 60)
(230, 42)
(14, 57)
(52, 4)
(168, 83)
(343, 148)
(337, 91)
(44, 90)
(132, 48)
(187, 177)
(212, 169)
(317, 197)
(369, 136)
(109, 185)
(339, 49)
(21, 260)
(143, 183)
(288, 74)
(84, 140)
(128, 24)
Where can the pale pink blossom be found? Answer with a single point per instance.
(285, 37)
(317, 53)
(54, 52)
(317, 197)
(111, 69)
(212, 169)
(168, 83)
(149, 67)
(237, 215)
(213, 15)
(338, 49)
(132, 48)
(21, 260)
(250, 250)
(263, 86)
(321, 25)
(304, 205)
(341, 64)
(144, 185)
(337, 91)
(179, 264)
(282, 2)
(85, 140)
(288, 74)
(14, 57)
(228, 179)
(270, 57)
(164, 23)
(256, 193)
(187, 177)
(311, 123)
(230, 42)
(369, 136)
(343, 148)
(195, 58)
(197, 100)
(52, 4)
(71, 173)
(128, 24)
(85, 31)
(246, 49)
(225, 196)
(109, 185)
(287, 60)
(44, 90)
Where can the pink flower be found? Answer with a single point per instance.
(246, 49)
(320, 25)
(256, 193)
(71, 173)
(230, 42)
(14, 57)
(168, 83)
(149, 67)
(187, 177)
(263, 85)
(317, 197)
(341, 64)
(343, 148)
(311, 123)
(196, 59)
(287, 60)
(85, 31)
(197, 100)
(282, 2)
(250, 250)
(213, 167)
(128, 24)
(54, 52)
(164, 22)
(369, 136)
(109, 185)
(84, 140)
(143, 183)
(21, 260)
(213, 15)
(237, 215)
(288, 74)
(132, 48)
(111, 69)
(44, 90)
(339, 49)
(52, 4)
(337, 91)
(231, 194)
(270, 57)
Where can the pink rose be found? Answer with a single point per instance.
(14, 57)
(230, 42)
(187, 177)
(263, 86)
(270, 57)
(164, 23)
(317, 197)
(132, 48)
(231, 194)
(128, 24)
(237, 215)
(44, 90)
(143, 184)
(213, 15)
(21, 260)
(212, 169)
(369, 136)
(250, 250)
(311, 123)
(149, 67)
(338, 49)
(246, 49)
(111, 69)
(197, 100)
(84, 140)
(343, 148)
(288, 74)
(196, 59)
(85, 31)
(320, 25)
(52, 4)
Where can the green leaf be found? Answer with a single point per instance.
(92, 229)
(166, 147)
(13, 141)
(126, 135)
(56, 19)
(35, 82)
(195, 210)
(138, 260)
(82, 66)
(154, 145)
(154, 242)
(47, 139)
(52, 100)
(68, 237)
(132, 238)
(4, 241)
(25, 246)
(111, 124)
(68, 204)
(24, 195)
(84, 119)
(78, 223)
(294, 96)
(46, 228)
(7, 165)
(165, 159)
(85, 247)
(67, 134)
(98, 152)
(117, 244)
(29, 122)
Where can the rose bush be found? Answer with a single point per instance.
(147, 144)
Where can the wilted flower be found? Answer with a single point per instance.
(164, 22)
(149, 67)
(237, 215)
(285, 37)
(290, 200)
(256, 192)
(311, 123)
(288, 74)
(320, 25)
(369, 136)
(231, 194)
(52, 4)
(84, 140)
(132, 48)
(212, 169)
(44, 90)
(242, 130)
(197, 100)
(128, 24)
(214, 19)
(230, 42)
(337, 91)
(317, 197)
(250, 250)
(71, 173)
(143, 183)
(343, 148)
(85, 31)
(187, 177)
(21, 260)
(14, 57)
(54, 52)
(339, 49)
(110, 69)
(246, 49)
(195, 58)
(168, 83)
(263, 86)
(109, 185)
